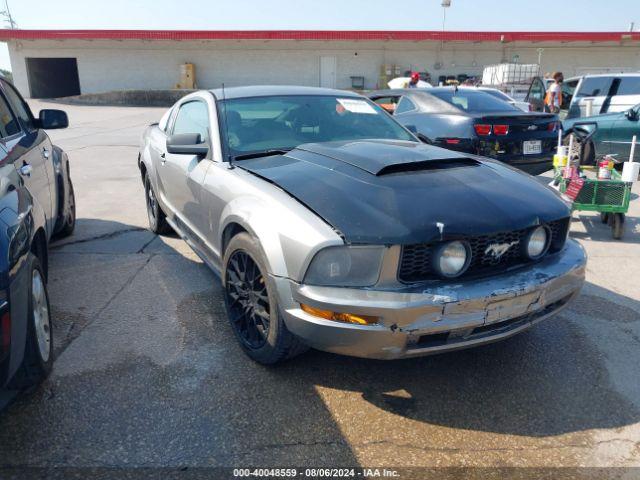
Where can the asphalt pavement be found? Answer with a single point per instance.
(148, 373)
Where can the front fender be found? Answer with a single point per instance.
(289, 233)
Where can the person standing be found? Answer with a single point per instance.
(414, 80)
(553, 98)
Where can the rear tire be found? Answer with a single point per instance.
(617, 226)
(157, 218)
(252, 304)
(69, 222)
(38, 353)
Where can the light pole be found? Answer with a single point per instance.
(445, 4)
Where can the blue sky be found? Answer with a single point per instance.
(597, 15)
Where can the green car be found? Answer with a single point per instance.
(613, 136)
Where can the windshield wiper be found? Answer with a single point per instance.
(261, 153)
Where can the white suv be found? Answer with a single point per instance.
(607, 93)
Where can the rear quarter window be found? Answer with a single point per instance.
(629, 86)
(405, 105)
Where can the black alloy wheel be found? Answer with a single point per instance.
(157, 219)
(248, 300)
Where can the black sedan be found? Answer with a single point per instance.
(474, 121)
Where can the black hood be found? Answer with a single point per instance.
(391, 192)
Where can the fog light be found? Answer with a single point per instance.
(537, 243)
(451, 259)
(340, 317)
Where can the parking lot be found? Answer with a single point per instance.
(148, 373)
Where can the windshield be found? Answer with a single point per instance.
(283, 122)
(474, 101)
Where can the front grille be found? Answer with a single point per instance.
(415, 262)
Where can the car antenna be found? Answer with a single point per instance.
(226, 125)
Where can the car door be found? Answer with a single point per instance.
(535, 95)
(182, 175)
(39, 155)
(569, 108)
(29, 148)
(624, 128)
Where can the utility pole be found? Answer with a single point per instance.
(7, 14)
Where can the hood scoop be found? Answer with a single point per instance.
(428, 165)
(383, 157)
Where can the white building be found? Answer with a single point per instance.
(66, 62)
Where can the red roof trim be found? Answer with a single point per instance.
(318, 35)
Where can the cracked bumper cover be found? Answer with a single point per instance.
(421, 321)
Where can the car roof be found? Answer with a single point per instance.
(398, 91)
(592, 75)
(273, 90)
(404, 91)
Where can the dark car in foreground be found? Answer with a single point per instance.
(36, 202)
(474, 121)
(333, 227)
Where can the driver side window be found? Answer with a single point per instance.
(193, 117)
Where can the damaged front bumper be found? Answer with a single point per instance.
(422, 321)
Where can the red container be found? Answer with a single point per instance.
(604, 169)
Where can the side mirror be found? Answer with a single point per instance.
(50, 119)
(187, 144)
(631, 114)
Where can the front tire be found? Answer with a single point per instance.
(157, 218)
(252, 305)
(38, 353)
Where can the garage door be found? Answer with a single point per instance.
(53, 77)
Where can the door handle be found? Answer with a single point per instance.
(26, 169)
(163, 157)
(45, 152)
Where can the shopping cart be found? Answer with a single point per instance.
(588, 193)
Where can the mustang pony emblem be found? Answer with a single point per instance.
(498, 249)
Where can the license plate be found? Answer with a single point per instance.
(531, 147)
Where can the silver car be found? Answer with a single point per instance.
(333, 227)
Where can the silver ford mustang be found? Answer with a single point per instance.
(332, 226)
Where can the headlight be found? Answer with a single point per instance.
(537, 243)
(451, 259)
(345, 266)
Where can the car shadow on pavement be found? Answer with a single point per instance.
(548, 381)
(156, 378)
(152, 374)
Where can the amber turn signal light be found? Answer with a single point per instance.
(340, 317)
